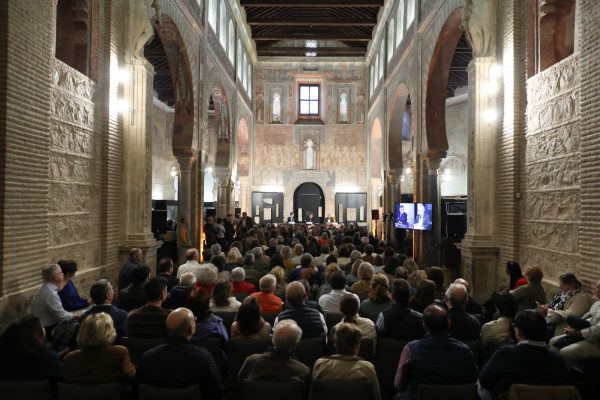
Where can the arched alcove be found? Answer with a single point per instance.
(309, 198)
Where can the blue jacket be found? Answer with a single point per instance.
(70, 298)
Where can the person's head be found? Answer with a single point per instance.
(401, 272)
(435, 320)
(187, 279)
(286, 335)
(267, 283)
(200, 304)
(349, 306)
(102, 292)
(207, 275)
(355, 255)
(331, 259)
(279, 274)
(136, 255)
(436, 274)
(534, 275)
(401, 291)
(192, 255)
(140, 274)
(347, 339)
(237, 274)
(325, 249)
(23, 338)
(368, 249)
(68, 268)
(568, 282)
(258, 252)
(248, 317)
(234, 256)
(248, 260)
(292, 214)
(156, 290)
(306, 260)
(181, 322)
(530, 325)
(457, 296)
(465, 283)
(380, 289)
(52, 273)
(298, 249)
(378, 260)
(366, 272)
(401, 208)
(337, 280)
(215, 249)
(505, 304)
(96, 331)
(513, 269)
(411, 265)
(295, 293)
(286, 252)
(218, 261)
(183, 220)
(210, 219)
(425, 293)
(222, 293)
(165, 266)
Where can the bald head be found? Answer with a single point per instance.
(464, 283)
(295, 293)
(435, 320)
(286, 335)
(192, 255)
(457, 296)
(180, 322)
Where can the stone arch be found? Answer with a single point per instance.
(395, 123)
(243, 148)
(376, 149)
(445, 32)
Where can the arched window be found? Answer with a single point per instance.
(410, 12)
(390, 39)
(343, 108)
(400, 23)
(223, 25)
(310, 154)
(249, 79)
(276, 108)
(231, 42)
(73, 39)
(238, 61)
(212, 14)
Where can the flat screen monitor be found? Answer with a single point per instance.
(417, 216)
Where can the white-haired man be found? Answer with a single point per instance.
(238, 282)
(269, 303)
(46, 304)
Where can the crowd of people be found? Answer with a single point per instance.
(300, 275)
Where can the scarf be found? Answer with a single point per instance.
(560, 298)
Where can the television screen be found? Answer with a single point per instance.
(413, 216)
(404, 215)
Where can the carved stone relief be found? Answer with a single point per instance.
(553, 174)
(553, 236)
(555, 205)
(557, 142)
(552, 114)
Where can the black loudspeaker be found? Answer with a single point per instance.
(238, 211)
(456, 225)
(211, 212)
(375, 215)
(159, 205)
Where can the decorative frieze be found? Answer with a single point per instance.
(552, 236)
(557, 142)
(560, 78)
(554, 174)
(71, 138)
(553, 205)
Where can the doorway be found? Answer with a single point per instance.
(309, 198)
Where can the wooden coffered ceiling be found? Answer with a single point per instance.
(341, 27)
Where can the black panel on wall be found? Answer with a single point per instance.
(261, 200)
(351, 200)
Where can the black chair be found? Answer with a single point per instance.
(137, 347)
(216, 348)
(591, 372)
(310, 350)
(332, 319)
(38, 390)
(387, 357)
(448, 392)
(112, 391)
(270, 318)
(228, 318)
(239, 350)
(147, 392)
(335, 389)
(240, 296)
(261, 390)
(367, 350)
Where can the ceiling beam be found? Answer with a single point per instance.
(308, 22)
(321, 51)
(363, 37)
(312, 3)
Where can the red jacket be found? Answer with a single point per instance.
(243, 287)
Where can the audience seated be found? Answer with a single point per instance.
(423, 296)
(309, 303)
(165, 270)
(415, 275)
(472, 306)
(148, 321)
(531, 294)
(326, 287)
(234, 259)
(369, 256)
(436, 359)
(346, 365)
(528, 362)
(191, 264)
(378, 299)
(252, 274)
(349, 307)
(249, 324)
(436, 275)
(221, 300)
(102, 295)
(286, 253)
(136, 256)
(569, 301)
(269, 303)
(306, 271)
(280, 276)
(206, 277)
(322, 258)
(180, 294)
(464, 326)
(499, 331)
(178, 363)
(279, 362)
(261, 262)
(97, 360)
(134, 296)
(355, 262)
(513, 270)
(46, 304)
(69, 296)
(207, 324)
(308, 318)
(581, 338)
(330, 302)
(239, 285)
(365, 276)
(25, 355)
(398, 321)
